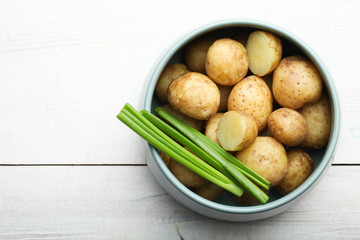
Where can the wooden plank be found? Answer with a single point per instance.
(127, 203)
(64, 79)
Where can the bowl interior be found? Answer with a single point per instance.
(291, 46)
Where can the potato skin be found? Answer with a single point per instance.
(265, 51)
(211, 127)
(287, 126)
(252, 96)
(195, 54)
(318, 117)
(296, 82)
(169, 74)
(195, 95)
(226, 62)
(236, 130)
(197, 124)
(300, 167)
(267, 157)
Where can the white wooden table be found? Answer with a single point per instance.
(70, 170)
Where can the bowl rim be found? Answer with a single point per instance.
(164, 58)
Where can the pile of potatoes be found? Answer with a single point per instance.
(266, 109)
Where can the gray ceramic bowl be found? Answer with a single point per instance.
(225, 208)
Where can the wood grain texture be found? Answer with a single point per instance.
(67, 69)
(127, 203)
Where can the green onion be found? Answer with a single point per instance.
(164, 143)
(237, 169)
(185, 142)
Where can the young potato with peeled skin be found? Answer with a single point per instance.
(226, 62)
(195, 95)
(169, 74)
(267, 157)
(186, 176)
(209, 191)
(287, 126)
(211, 127)
(318, 117)
(252, 96)
(197, 124)
(296, 82)
(236, 131)
(265, 51)
(224, 96)
(195, 54)
(300, 167)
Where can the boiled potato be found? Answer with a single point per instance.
(252, 96)
(226, 62)
(267, 157)
(195, 54)
(318, 118)
(169, 74)
(300, 167)
(236, 130)
(194, 95)
(197, 124)
(264, 50)
(209, 191)
(224, 96)
(186, 176)
(287, 126)
(211, 127)
(296, 82)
